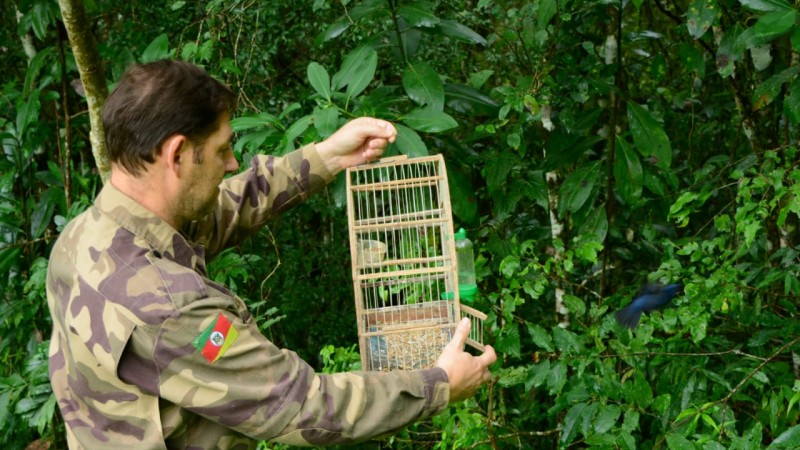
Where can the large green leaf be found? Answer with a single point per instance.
(573, 421)
(27, 112)
(333, 31)
(419, 14)
(319, 79)
(731, 49)
(423, 85)
(350, 66)
(363, 75)
(649, 136)
(791, 104)
(468, 100)
(248, 122)
(429, 120)
(565, 148)
(774, 24)
(606, 418)
(788, 439)
(409, 143)
(326, 121)
(43, 212)
(158, 49)
(460, 32)
(293, 132)
(627, 172)
(462, 196)
(677, 442)
(8, 257)
(700, 16)
(578, 186)
(767, 5)
(766, 92)
(547, 10)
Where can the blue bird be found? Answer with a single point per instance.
(652, 296)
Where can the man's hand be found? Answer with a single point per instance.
(357, 142)
(465, 372)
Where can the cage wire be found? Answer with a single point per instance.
(403, 263)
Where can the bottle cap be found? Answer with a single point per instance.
(460, 234)
(467, 292)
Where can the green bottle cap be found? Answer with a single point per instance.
(467, 292)
(460, 234)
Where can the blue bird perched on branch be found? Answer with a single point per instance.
(650, 297)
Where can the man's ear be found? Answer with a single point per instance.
(173, 152)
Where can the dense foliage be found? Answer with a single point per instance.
(591, 146)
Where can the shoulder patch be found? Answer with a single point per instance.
(216, 339)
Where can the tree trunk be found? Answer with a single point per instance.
(90, 67)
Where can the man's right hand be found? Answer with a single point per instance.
(466, 373)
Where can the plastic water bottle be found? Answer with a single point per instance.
(465, 263)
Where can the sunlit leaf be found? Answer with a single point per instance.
(460, 32)
(767, 5)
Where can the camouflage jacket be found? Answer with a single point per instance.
(148, 353)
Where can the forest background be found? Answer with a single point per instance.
(591, 146)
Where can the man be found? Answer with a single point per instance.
(147, 352)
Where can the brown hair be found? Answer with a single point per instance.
(157, 100)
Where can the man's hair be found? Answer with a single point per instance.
(157, 100)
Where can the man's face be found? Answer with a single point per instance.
(207, 164)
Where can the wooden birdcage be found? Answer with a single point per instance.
(404, 263)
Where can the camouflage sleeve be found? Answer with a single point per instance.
(241, 380)
(268, 187)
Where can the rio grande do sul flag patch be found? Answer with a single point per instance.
(216, 339)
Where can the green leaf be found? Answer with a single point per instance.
(319, 79)
(460, 32)
(547, 10)
(409, 143)
(158, 49)
(326, 121)
(9, 256)
(418, 14)
(508, 342)
(363, 75)
(578, 186)
(470, 101)
(677, 442)
(700, 17)
(640, 392)
(572, 421)
(566, 341)
(575, 305)
(333, 31)
(791, 104)
(27, 113)
(606, 418)
(43, 212)
(766, 92)
(293, 132)
(350, 66)
(248, 122)
(692, 59)
(429, 120)
(627, 172)
(730, 50)
(788, 439)
(774, 24)
(423, 85)
(541, 337)
(649, 136)
(462, 195)
(767, 5)
(557, 378)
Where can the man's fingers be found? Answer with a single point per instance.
(460, 336)
(488, 357)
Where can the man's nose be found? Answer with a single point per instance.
(231, 164)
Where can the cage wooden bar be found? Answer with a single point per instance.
(403, 263)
